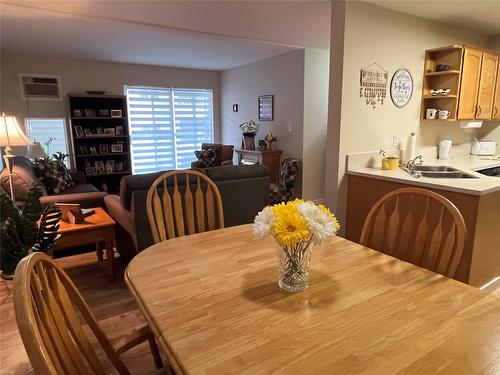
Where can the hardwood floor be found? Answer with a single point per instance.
(111, 303)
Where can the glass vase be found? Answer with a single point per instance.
(293, 266)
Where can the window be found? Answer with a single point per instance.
(50, 132)
(167, 126)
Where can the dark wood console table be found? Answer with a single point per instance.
(268, 158)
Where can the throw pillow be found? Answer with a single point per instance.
(55, 176)
(206, 158)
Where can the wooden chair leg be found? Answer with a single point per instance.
(155, 352)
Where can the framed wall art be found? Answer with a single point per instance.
(266, 107)
(401, 87)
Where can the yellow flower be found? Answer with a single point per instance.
(331, 216)
(290, 227)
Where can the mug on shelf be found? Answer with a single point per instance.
(444, 114)
(431, 113)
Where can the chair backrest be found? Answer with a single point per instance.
(44, 301)
(289, 170)
(173, 214)
(418, 226)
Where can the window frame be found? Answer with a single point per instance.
(172, 92)
(69, 160)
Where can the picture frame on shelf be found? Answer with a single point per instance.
(119, 130)
(117, 147)
(104, 113)
(77, 113)
(88, 132)
(119, 166)
(79, 131)
(99, 164)
(109, 131)
(90, 112)
(116, 113)
(84, 150)
(110, 165)
(103, 149)
(99, 130)
(93, 150)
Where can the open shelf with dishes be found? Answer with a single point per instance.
(101, 141)
(441, 86)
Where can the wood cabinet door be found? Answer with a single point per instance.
(487, 82)
(469, 88)
(496, 103)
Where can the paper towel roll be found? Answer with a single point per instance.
(410, 147)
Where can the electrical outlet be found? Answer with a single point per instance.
(395, 140)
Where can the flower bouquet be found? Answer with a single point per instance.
(296, 226)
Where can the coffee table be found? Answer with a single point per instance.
(97, 229)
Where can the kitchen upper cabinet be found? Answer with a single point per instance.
(496, 102)
(486, 93)
(469, 88)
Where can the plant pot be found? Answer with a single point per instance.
(249, 141)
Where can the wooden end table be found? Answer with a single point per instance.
(97, 229)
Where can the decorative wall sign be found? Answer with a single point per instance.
(373, 84)
(266, 107)
(401, 87)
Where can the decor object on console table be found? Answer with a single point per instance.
(109, 131)
(268, 158)
(283, 191)
(11, 135)
(249, 130)
(296, 226)
(269, 139)
(25, 230)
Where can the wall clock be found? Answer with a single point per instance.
(401, 87)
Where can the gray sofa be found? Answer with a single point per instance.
(23, 176)
(244, 191)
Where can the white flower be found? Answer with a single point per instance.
(262, 222)
(319, 223)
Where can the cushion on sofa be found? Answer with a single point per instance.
(55, 176)
(206, 158)
(23, 177)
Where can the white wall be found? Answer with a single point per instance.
(281, 76)
(316, 73)
(393, 40)
(77, 76)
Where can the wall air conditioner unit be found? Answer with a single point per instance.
(40, 87)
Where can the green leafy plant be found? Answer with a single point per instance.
(26, 229)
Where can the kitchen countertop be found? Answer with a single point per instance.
(467, 163)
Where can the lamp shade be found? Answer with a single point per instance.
(11, 133)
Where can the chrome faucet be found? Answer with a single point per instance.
(411, 164)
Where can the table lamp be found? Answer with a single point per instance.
(11, 134)
(35, 151)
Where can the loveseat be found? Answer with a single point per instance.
(244, 191)
(23, 177)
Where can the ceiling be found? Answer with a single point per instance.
(194, 34)
(481, 16)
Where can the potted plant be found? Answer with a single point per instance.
(270, 139)
(26, 229)
(249, 130)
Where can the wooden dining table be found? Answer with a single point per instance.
(214, 305)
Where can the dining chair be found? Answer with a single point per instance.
(174, 210)
(418, 226)
(47, 305)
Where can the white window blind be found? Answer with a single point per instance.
(167, 126)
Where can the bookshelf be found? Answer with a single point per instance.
(100, 135)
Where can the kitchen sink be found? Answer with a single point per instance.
(438, 171)
(435, 168)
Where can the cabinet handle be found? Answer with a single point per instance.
(495, 110)
(478, 111)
